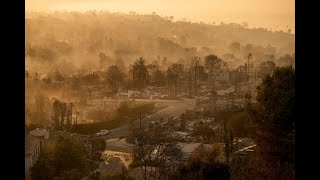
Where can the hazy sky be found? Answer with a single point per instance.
(275, 14)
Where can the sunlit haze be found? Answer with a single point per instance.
(271, 14)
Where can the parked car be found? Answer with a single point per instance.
(102, 133)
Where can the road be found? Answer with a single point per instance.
(174, 109)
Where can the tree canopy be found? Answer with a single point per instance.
(273, 117)
(114, 77)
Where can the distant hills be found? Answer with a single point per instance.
(79, 38)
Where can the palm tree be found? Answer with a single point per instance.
(174, 73)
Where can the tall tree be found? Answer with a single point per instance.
(63, 114)
(114, 77)
(140, 72)
(159, 78)
(195, 61)
(152, 67)
(60, 160)
(213, 63)
(174, 72)
(248, 65)
(55, 117)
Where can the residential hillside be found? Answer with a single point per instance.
(70, 40)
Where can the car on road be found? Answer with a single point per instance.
(102, 133)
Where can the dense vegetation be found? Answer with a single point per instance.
(66, 159)
(127, 111)
(271, 123)
(273, 119)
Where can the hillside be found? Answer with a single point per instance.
(70, 40)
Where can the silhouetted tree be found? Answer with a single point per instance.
(159, 78)
(195, 61)
(114, 77)
(63, 159)
(91, 79)
(174, 72)
(213, 63)
(140, 72)
(273, 117)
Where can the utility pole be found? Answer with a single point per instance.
(190, 82)
(74, 122)
(140, 120)
(195, 78)
(249, 56)
(71, 105)
(213, 101)
(91, 151)
(255, 76)
(235, 88)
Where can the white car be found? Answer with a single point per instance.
(102, 133)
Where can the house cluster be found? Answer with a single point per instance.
(150, 92)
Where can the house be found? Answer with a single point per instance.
(32, 152)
